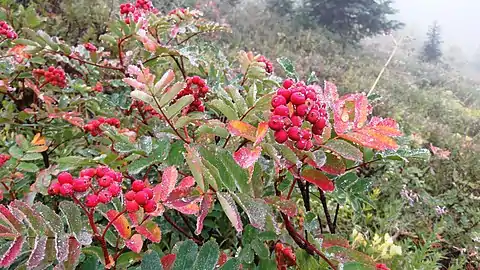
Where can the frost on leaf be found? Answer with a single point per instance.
(242, 129)
(151, 231)
(319, 179)
(169, 180)
(135, 243)
(228, 205)
(246, 157)
(11, 254)
(120, 223)
(38, 252)
(287, 207)
(256, 210)
(205, 206)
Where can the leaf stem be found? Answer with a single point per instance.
(323, 199)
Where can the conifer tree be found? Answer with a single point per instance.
(432, 51)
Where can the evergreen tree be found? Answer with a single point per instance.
(352, 20)
(432, 51)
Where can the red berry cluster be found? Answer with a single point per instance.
(90, 47)
(98, 87)
(7, 31)
(381, 266)
(139, 9)
(3, 158)
(147, 110)
(53, 76)
(268, 64)
(197, 87)
(293, 104)
(285, 256)
(93, 127)
(127, 8)
(144, 5)
(177, 11)
(140, 195)
(102, 183)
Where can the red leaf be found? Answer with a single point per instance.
(287, 207)
(7, 232)
(246, 157)
(135, 243)
(319, 179)
(330, 240)
(136, 217)
(9, 257)
(350, 112)
(74, 250)
(242, 129)
(121, 223)
(38, 252)
(151, 231)
(168, 261)
(334, 165)
(261, 132)
(169, 180)
(222, 259)
(439, 152)
(8, 217)
(186, 182)
(205, 206)
(344, 149)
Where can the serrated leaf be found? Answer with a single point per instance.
(52, 220)
(142, 96)
(38, 252)
(185, 255)
(344, 149)
(177, 107)
(288, 67)
(171, 93)
(230, 209)
(151, 261)
(74, 250)
(207, 257)
(256, 209)
(13, 251)
(33, 219)
(74, 217)
(226, 110)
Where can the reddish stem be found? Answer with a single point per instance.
(291, 188)
(110, 223)
(120, 53)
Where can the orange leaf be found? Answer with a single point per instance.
(38, 140)
(242, 129)
(350, 112)
(151, 231)
(319, 179)
(120, 223)
(246, 157)
(135, 243)
(261, 132)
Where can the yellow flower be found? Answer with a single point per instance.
(395, 250)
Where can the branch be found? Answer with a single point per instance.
(169, 220)
(323, 199)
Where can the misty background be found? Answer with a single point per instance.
(457, 20)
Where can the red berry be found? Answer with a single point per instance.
(54, 189)
(105, 181)
(130, 195)
(91, 200)
(301, 145)
(281, 136)
(102, 171)
(288, 83)
(150, 206)
(294, 133)
(309, 145)
(301, 110)
(313, 116)
(138, 185)
(285, 93)
(312, 95)
(278, 100)
(104, 196)
(317, 131)
(297, 98)
(149, 192)
(115, 189)
(321, 123)
(66, 190)
(297, 121)
(276, 122)
(141, 197)
(81, 184)
(90, 172)
(132, 206)
(281, 110)
(65, 178)
(305, 134)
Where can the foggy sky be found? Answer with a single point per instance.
(458, 19)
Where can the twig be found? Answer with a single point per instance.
(179, 67)
(335, 218)
(323, 199)
(169, 220)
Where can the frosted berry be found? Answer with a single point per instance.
(285, 93)
(288, 83)
(149, 192)
(297, 98)
(102, 170)
(278, 100)
(313, 116)
(309, 145)
(132, 206)
(81, 184)
(90, 172)
(321, 123)
(115, 189)
(281, 110)
(54, 189)
(306, 134)
(294, 133)
(104, 196)
(312, 95)
(141, 197)
(296, 121)
(276, 122)
(130, 195)
(301, 110)
(317, 131)
(91, 200)
(150, 206)
(66, 190)
(105, 181)
(281, 136)
(64, 178)
(138, 185)
(301, 145)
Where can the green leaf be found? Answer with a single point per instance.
(175, 157)
(151, 261)
(238, 100)
(52, 220)
(256, 209)
(140, 95)
(260, 248)
(288, 67)
(124, 147)
(48, 40)
(28, 167)
(128, 258)
(246, 254)
(226, 110)
(186, 253)
(139, 165)
(16, 152)
(168, 96)
(305, 261)
(95, 251)
(312, 78)
(175, 108)
(403, 154)
(73, 214)
(344, 149)
(31, 156)
(207, 257)
(232, 264)
(356, 266)
(145, 144)
(25, 42)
